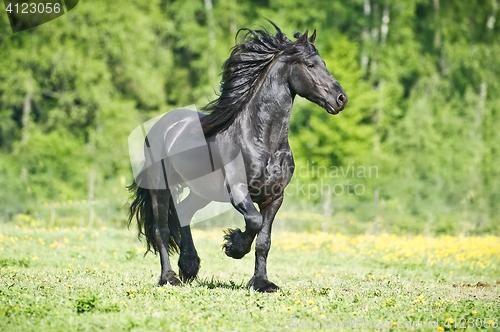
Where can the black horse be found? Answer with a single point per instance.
(260, 80)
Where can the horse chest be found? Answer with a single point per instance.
(269, 176)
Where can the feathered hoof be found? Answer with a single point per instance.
(235, 245)
(262, 285)
(189, 265)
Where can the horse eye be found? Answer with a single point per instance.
(310, 65)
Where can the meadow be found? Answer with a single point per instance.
(78, 279)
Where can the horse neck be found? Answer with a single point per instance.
(266, 118)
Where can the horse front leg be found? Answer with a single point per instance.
(237, 243)
(259, 281)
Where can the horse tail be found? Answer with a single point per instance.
(141, 209)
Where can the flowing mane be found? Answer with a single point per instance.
(241, 73)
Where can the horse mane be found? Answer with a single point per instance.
(241, 74)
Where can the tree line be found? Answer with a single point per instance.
(422, 79)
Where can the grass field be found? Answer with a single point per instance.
(74, 279)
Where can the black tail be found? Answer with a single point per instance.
(141, 209)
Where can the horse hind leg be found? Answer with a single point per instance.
(160, 202)
(189, 261)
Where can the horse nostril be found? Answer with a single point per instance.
(341, 99)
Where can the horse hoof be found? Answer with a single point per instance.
(189, 265)
(172, 280)
(235, 246)
(187, 278)
(263, 285)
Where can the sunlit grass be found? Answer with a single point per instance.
(87, 279)
(460, 252)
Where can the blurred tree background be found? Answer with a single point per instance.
(422, 78)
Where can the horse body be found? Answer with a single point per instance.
(250, 118)
(261, 132)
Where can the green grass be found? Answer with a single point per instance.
(86, 280)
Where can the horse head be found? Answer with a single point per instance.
(309, 77)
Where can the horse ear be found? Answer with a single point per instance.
(313, 37)
(303, 38)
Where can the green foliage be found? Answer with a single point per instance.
(86, 303)
(422, 80)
